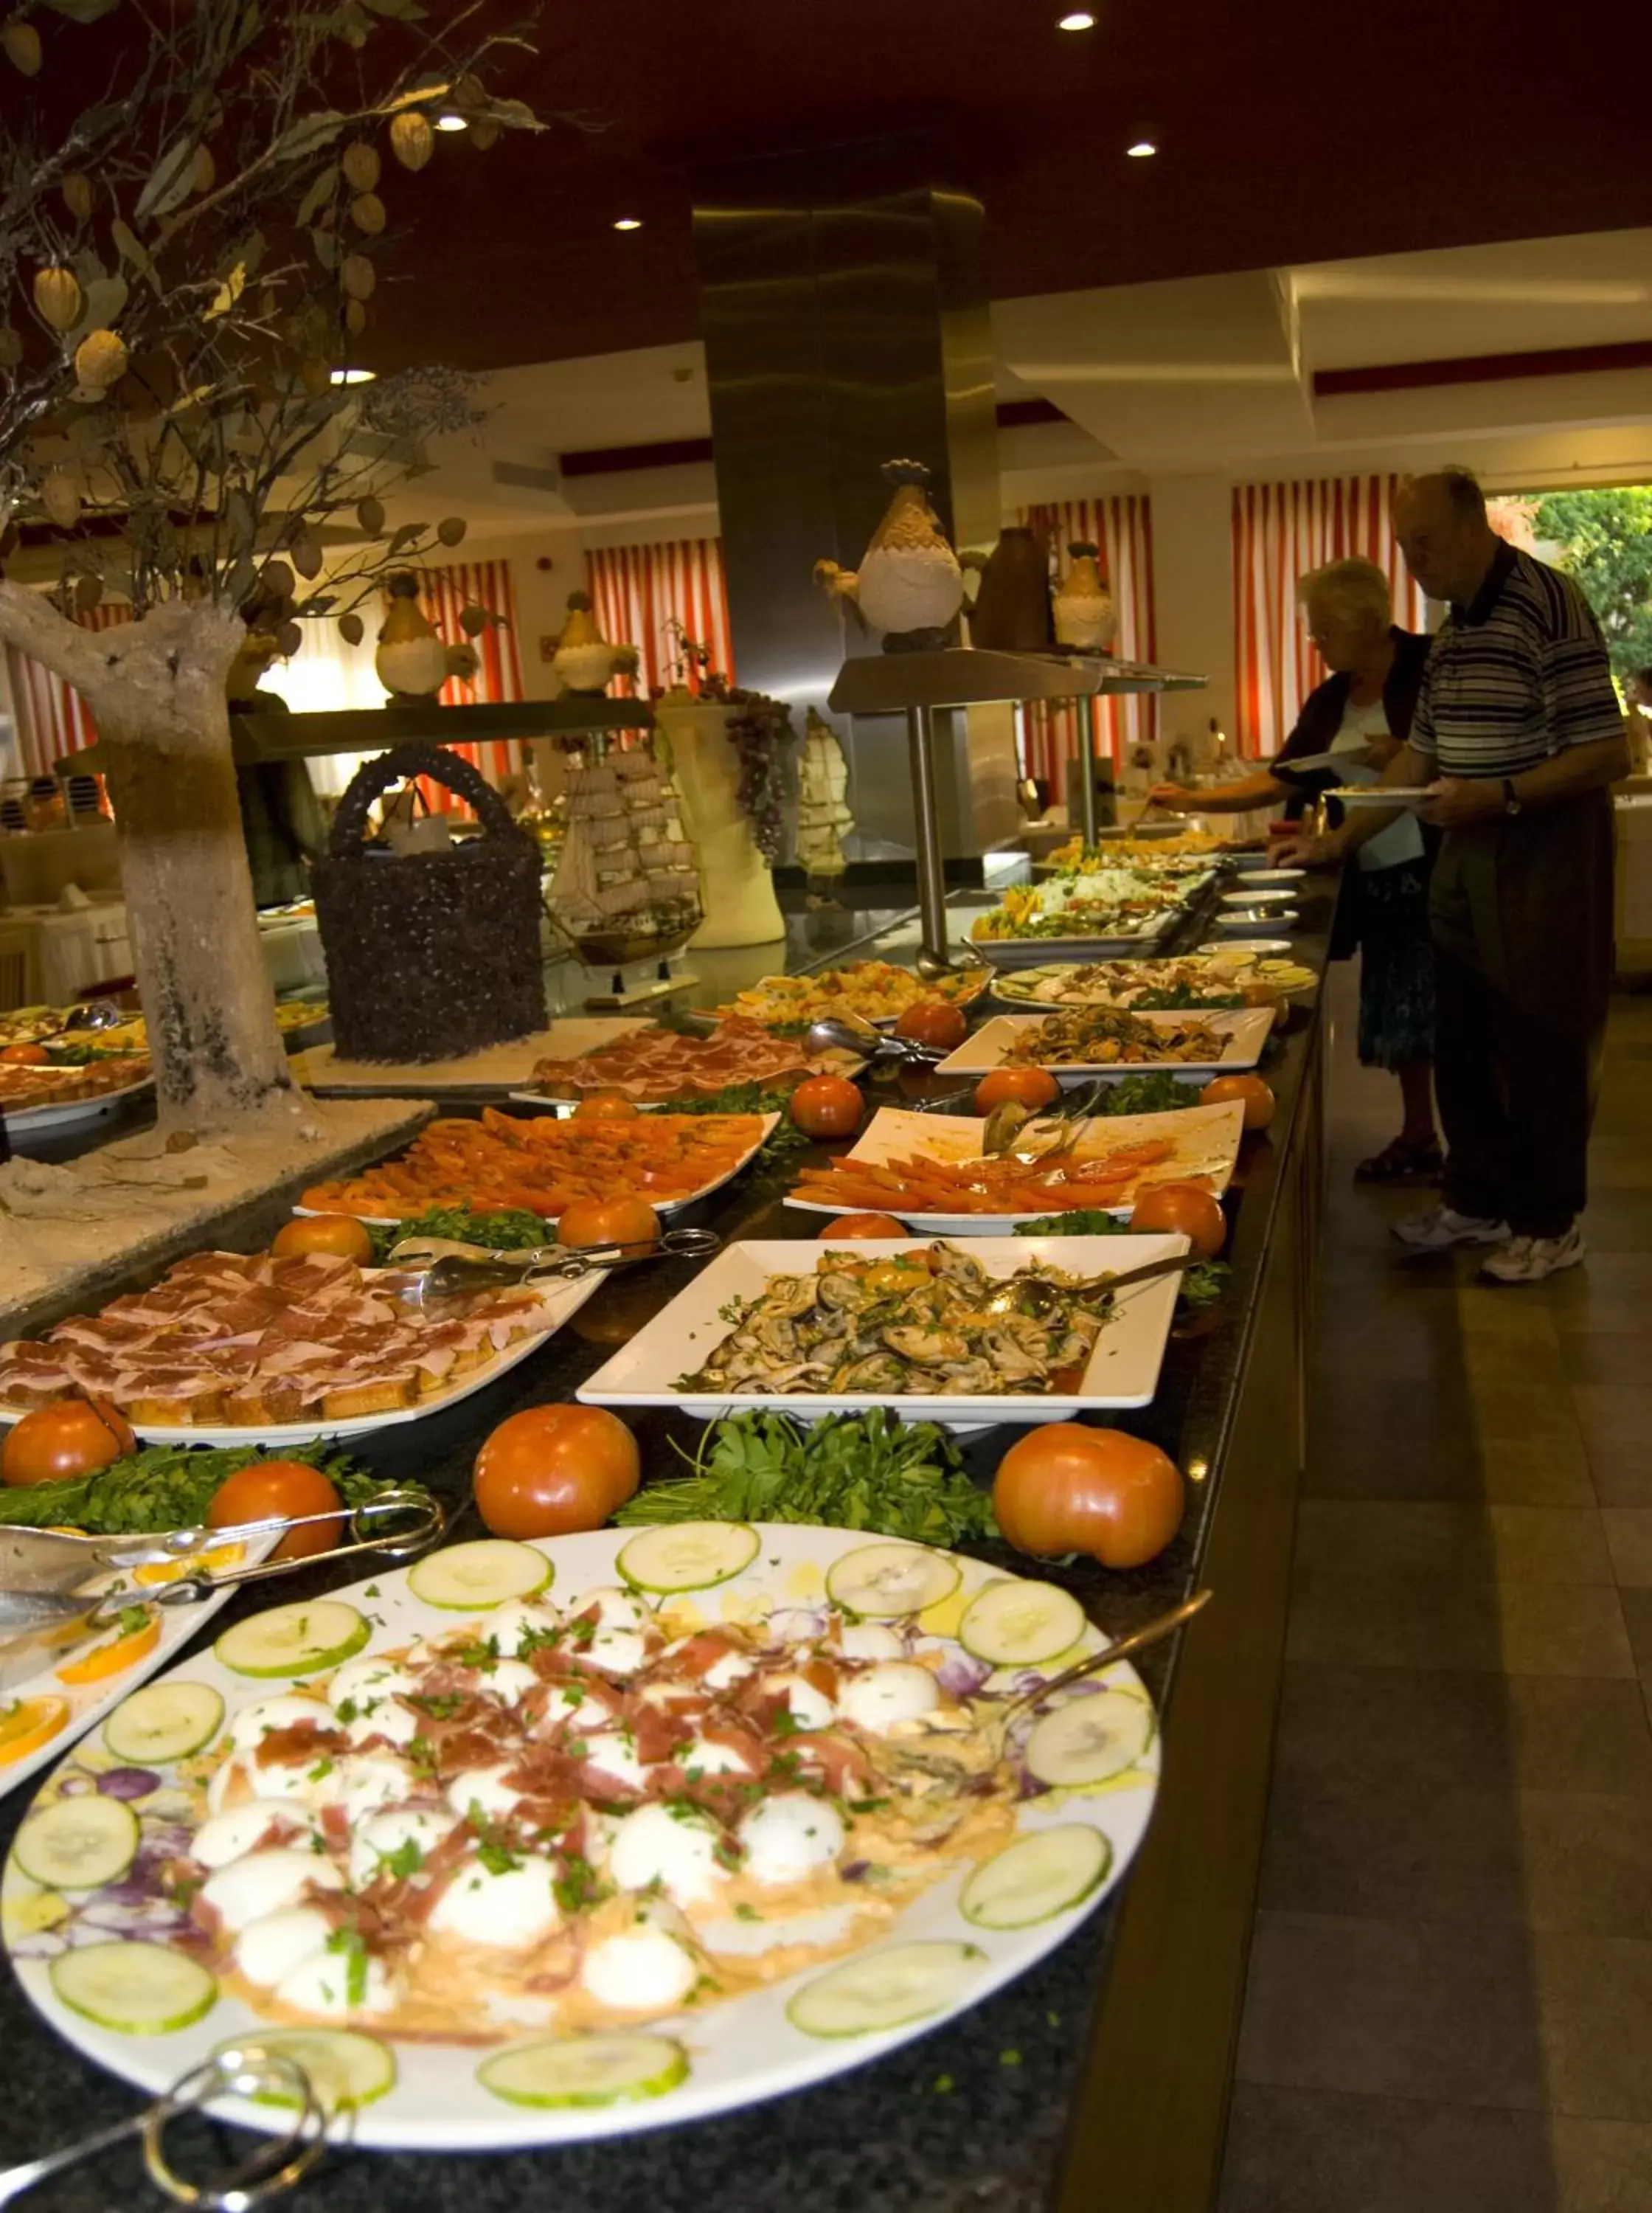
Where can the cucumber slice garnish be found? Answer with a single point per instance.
(687, 1556)
(1090, 1739)
(484, 1573)
(886, 1989)
(1045, 1872)
(586, 2070)
(163, 1722)
(887, 1580)
(78, 1843)
(294, 1640)
(142, 1990)
(1018, 1625)
(346, 2069)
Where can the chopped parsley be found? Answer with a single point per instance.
(744, 1912)
(348, 1941)
(539, 1640)
(131, 1619)
(786, 1724)
(482, 1654)
(323, 1767)
(584, 1630)
(578, 1884)
(868, 1805)
(422, 1754)
(441, 1705)
(496, 1858)
(347, 1710)
(405, 1861)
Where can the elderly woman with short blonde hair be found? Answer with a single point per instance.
(1364, 709)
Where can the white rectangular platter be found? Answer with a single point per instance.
(1205, 1139)
(559, 1298)
(1123, 1370)
(1246, 1030)
(661, 1206)
(496, 1067)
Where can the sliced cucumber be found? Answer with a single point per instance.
(586, 2070)
(345, 2069)
(78, 1843)
(1090, 1739)
(688, 1556)
(887, 1580)
(484, 1573)
(1017, 1625)
(1039, 1875)
(886, 1989)
(142, 1990)
(294, 1640)
(163, 1722)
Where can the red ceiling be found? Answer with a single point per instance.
(1289, 129)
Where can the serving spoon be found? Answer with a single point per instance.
(443, 1269)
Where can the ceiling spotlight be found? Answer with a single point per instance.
(451, 122)
(354, 375)
(628, 222)
(1143, 150)
(1080, 20)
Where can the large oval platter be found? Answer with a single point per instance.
(725, 2053)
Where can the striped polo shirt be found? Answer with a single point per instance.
(1518, 674)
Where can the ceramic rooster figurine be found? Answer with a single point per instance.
(584, 662)
(909, 584)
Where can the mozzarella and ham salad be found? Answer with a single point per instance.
(242, 1340)
(577, 1818)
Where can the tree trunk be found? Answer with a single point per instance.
(163, 733)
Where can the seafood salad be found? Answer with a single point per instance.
(1100, 1036)
(931, 1322)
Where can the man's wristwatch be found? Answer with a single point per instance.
(1511, 802)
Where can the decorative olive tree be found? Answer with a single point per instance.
(184, 265)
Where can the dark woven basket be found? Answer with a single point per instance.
(430, 955)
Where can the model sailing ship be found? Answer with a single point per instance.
(626, 890)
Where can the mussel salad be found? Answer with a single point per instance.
(931, 1322)
(1102, 1036)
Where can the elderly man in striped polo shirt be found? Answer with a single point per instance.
(1517, 736)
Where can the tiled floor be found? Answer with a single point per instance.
(1450, 1998)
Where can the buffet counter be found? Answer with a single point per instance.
(1097, 2081)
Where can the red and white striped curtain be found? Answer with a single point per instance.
(637, 590)
(444, 594)
(1122, 527)
(1281, 531)
(52, 719)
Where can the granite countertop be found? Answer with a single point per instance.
(974, 2114)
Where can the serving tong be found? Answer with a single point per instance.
(441, 1268)
(853, 1033)
(276, 2166)
(41, 1569)
(1022, 1135)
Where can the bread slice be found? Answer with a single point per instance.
(247, 1409)
(385, 1398)
(204, 1406)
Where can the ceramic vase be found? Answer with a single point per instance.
(584, 662)
(909, 584)
(1011, 611)
(736, 883)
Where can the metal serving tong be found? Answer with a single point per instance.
(1027, 1136)
(277, 2164)
(42, 1606)
(851, 1033)
(442, 1268)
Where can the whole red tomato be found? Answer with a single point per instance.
(553, 1469)
(1185, 1206)
(69, 1438)
(827, 1107)
(933, 1021)
(1067, 1488)
(288, 1489)
(1027, 1087)
(843, 1226)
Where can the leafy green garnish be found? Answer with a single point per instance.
(851, 1472)
(164, 1487)
(1156, 1093)
(1201, 1285)
(1185, 994)
(510, 1230)
(405, 1862)
(349, 1941)
(750, 1099)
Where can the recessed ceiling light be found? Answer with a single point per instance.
(1078, 21)
(354, 375)
(1143, 150)
(451, 122)
(628, 222)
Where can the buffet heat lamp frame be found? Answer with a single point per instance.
(915, 684)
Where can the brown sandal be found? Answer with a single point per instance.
(1402, 1162)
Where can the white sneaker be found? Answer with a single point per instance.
(1438, 1227)
(1529, 1259)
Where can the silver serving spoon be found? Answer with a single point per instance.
(1041, 1298)
(275, 2166)
(850, 1034)
(443, 1269)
